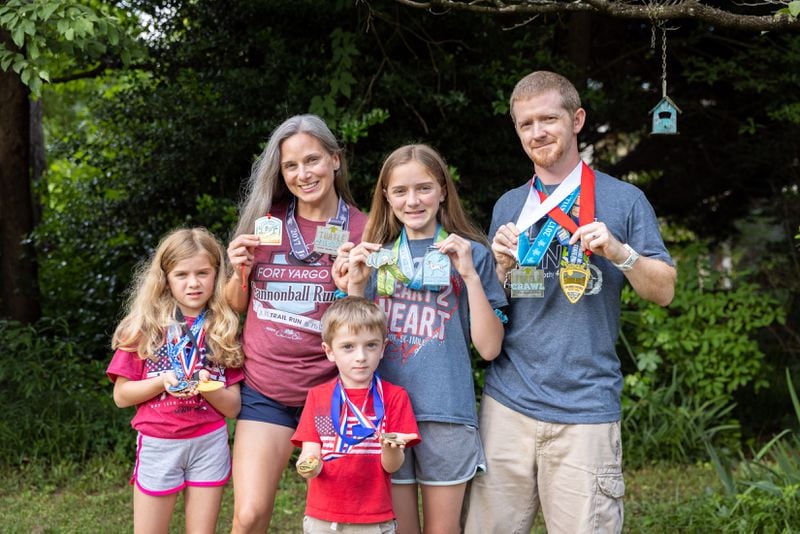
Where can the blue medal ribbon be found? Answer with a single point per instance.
(183, 358)
(402, 266)
(531, 252)
(341, 406)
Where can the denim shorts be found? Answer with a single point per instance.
(258, 407)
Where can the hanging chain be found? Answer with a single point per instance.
(663, 61)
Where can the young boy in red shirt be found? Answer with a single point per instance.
(354, 429)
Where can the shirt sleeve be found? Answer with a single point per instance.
(306, 429)
(484, 264)
(125, 364)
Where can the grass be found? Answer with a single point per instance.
(97, 498)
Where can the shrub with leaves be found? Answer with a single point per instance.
(707, 334)
(58, 403)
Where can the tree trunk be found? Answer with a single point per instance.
(18, 272)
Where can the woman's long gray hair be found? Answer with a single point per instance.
(266, 187)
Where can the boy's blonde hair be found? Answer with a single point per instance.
(357, 313)
(151, 308)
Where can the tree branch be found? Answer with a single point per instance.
(645, 10)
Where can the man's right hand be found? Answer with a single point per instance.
(504, 247)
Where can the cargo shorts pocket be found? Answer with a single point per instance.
(608, 509)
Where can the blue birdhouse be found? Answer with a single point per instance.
(665, 117)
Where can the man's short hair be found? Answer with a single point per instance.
(357, 313)
(541, 81)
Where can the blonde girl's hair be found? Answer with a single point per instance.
(382, 225)
(266, 188)
(541, 81)
(151, 308)
(357, 313)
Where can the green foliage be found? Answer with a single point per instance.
(52, 35)
(58, 401)
(667, 424)
(763, 492)
(706, 337)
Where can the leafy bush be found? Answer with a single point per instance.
(763, 493)
(58, 403)
(668, 425)
(708, 333)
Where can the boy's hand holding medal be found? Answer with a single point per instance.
(309, 467)
(396, 439)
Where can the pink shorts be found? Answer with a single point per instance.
(165, 466)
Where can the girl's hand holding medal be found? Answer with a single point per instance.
(178, 388)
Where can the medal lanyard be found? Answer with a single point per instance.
(341, 407)
(531, 253)
(176, 346)
(299, 247)
(402, 265)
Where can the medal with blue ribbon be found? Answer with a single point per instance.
(574, 271)
(342, 409)
(183, 348)
(401, 267)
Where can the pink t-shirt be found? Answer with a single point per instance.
(353, 488)
(282, 336)
(165, 416)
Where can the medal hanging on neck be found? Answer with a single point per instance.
(342, 409)
(433, 274)
(183, 348)
(299, 247)
(574, 274)
(574, 271)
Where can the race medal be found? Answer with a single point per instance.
(382, 257)
(269, 230)
(182, 386)
(392, 437)
(574, 278)
(329, 238)
(527, 282)
(435, 269)
(308, 465)
(210, 385)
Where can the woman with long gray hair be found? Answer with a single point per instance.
(296, 211)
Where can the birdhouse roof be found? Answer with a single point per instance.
(669, 101)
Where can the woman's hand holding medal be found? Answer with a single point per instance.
(241, 252)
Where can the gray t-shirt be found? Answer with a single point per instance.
(558, 362)
(429, 339)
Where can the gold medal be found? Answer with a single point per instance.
(574, 278)
(210, 385)
(308, 465)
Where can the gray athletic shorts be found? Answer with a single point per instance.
(449, 454)
(165, 466)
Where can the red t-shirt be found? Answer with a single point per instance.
(165, 416)
(353, 488)
(282, 336)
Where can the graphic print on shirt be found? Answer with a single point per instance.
(162, 365)
(327, 435)
(416, 318)
(286, 290)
